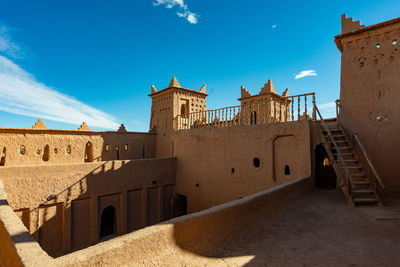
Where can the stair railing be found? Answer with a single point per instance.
(356, 140)
(339, 153)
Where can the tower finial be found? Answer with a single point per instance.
(203, 89)
(174, 83)
(268, 88)
(153, 89)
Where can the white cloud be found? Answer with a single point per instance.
(183, 9)
(7, 46)
(328, 105)
(273, 26)
(305, 73)
(21, 94)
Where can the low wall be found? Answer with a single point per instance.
(17, 246)
(217, 165)
(199, 233)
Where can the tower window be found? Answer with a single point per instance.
(107, 148)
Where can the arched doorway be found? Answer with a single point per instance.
(89, 152)
(117, 151)
(325, 176)
(253, 118)
(3, 157)
(107, 222)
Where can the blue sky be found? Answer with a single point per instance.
(73, 61)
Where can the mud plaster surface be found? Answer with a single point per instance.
(322, 230)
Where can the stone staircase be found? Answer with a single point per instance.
(358, 186)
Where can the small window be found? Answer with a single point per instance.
(378, 45)
(68, 150)
(117, 148)
(126, 147)
(233, 170)
(22, 150)
(107, 148)
(46, 153)
(55, 150)
(394, 42)
(37, 152)
(256, 162)
(287, 170)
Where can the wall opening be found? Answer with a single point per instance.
(117, 152)
(253, 118)
(107, 222)
(184, 110)
(325, 176)
(68, 149)
(287, 170)
(46, 153)
(22, 150)
(107, 148)
(179, 207)
(3, 157)
(143, 152)
(256, 162)
(88, 152)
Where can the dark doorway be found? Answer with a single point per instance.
(3, 157)
(179, 205)
(88, 152)
(117, 151)
(253, 118)
(325, 176)
(107, 222)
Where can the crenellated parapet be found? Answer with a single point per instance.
(349, 25)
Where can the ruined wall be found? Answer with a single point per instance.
(62, 204)
(217, 165)
(29, 146)
(370, 93)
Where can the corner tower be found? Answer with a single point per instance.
(166, 105)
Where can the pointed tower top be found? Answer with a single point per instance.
(84, 127)
(122, 128)
(174, 83)
(203, 89)
(153, 89)
(39, 125)
(244, 93)
(286, 93)
(268, 88)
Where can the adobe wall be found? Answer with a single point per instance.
(216, 165)
(180, 241)
(130, 145)
(370, 93)
(61, 204)
(18, 248)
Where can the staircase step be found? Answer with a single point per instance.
(365, 200)
(343, 154)
(338, 136)
(349, 160)
(362, 191)
(350, 167)
(343, 147)
(361, 182)
(357, 174)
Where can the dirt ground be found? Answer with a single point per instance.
(320, 230)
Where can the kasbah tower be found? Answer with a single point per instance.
(225, 187)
